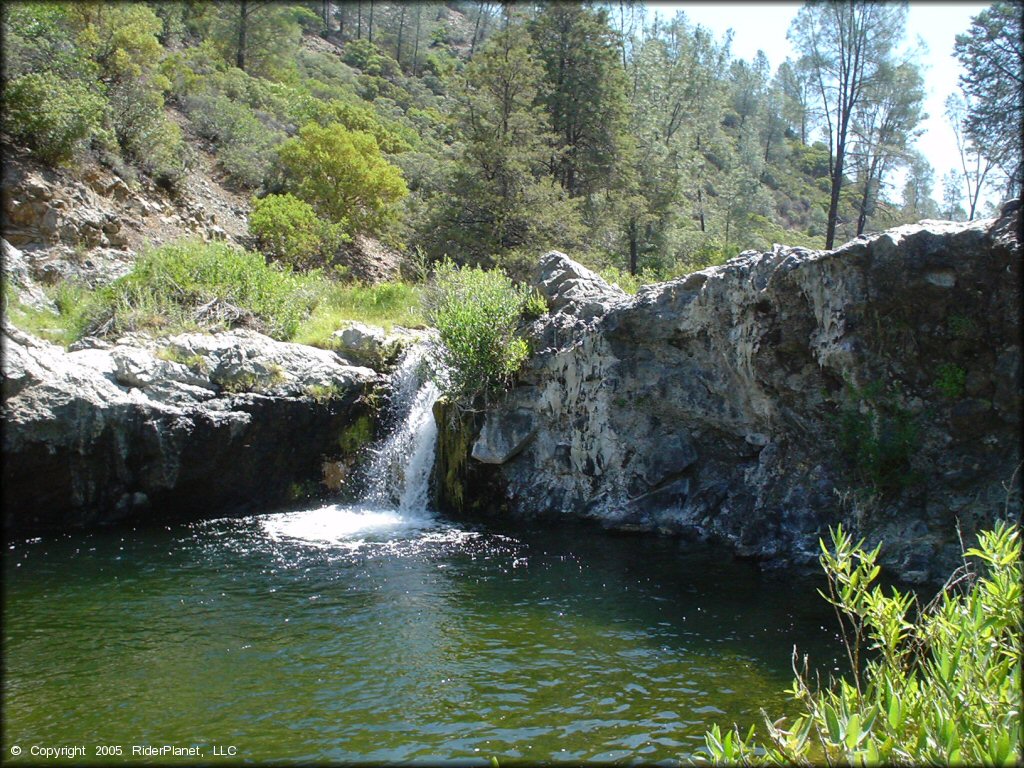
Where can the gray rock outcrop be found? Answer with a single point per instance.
(760, 401)
(167, 428)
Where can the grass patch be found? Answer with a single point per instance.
(63, 327)
(193, 285)
(384, 304)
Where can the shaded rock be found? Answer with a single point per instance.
(726, 404)
(503, 435)
(150, 427)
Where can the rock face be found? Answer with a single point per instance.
(761, 401)
(170, 428)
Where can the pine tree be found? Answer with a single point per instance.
(843, 45)
(992, 55)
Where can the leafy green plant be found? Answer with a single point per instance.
(878, 437)
(476, 313)
(961, 327)
(289, 230)
(54, 116)
(944, 688)
(535, 305)
(951, 380)
(344, 176)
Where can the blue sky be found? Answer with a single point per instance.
(763, 25)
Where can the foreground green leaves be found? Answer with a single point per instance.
(945, 688)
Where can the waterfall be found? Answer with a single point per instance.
(398, 473)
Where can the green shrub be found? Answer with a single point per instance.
(951, 380)
(476, 313)
(343, 175)
(289, 230)
(191, 284)
(54, 116)
(945, 688)
(246, 148)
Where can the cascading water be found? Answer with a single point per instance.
(399, 473)
(397, 476)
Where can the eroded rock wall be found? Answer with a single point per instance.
(183, 427)
(763, 400)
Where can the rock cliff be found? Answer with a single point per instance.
(181, 427)
(760, 401)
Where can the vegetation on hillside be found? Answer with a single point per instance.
(462, 129)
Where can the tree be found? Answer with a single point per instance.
(992, 55)
(257, 36)
(795, 82)
(951, 197)
(973, 162)
(343, 175)
(917, 190)
(883, 125)
(586, 101)
(501, 197)
(844, 44)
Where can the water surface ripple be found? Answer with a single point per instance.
(364, 634)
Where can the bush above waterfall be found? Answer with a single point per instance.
(476, 313)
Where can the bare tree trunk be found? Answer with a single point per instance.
(416, 41)
(243, 28)
(398, 45)
(359, 20)
(476, 27)
(633, 247)
(370, 28)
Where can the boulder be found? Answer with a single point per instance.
(372, 346)
(167, 428)
(760, 401)
(572, 288)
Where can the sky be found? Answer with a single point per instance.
(763, 26)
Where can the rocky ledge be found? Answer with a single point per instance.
(180, 427)
(763, 400)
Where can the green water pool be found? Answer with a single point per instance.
(343, 634)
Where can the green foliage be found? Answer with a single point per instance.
(961, 327)
(189, 285)
(52, 115)
(535, 305)
(878, 437)
(384, 304)
(991, 53)
(289, 230)
(476, 314)
(627, 282)
(950, 380)
(343, 175)
(62, 327)
(245, 145)
(943, 689)
(369, 58)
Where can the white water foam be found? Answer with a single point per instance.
(397, 496)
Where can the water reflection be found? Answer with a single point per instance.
(357, 633)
